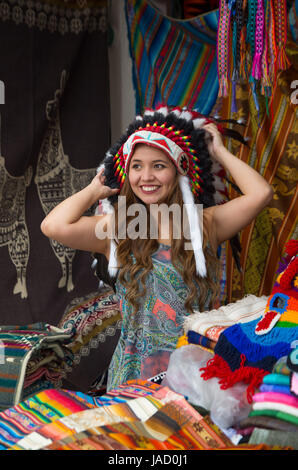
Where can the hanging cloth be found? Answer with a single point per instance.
(174, 61)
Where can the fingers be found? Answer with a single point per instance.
(212, 128)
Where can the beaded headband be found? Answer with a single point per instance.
(173, 142)
(157, 140)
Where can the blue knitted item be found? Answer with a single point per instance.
(241, 354)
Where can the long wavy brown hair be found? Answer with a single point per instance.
(132, 274)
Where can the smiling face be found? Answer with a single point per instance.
(151, 174)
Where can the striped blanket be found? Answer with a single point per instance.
(174, 61)
(37, 411)
(32, 358)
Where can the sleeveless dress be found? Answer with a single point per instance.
(149, 336)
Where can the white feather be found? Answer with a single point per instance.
(107, 207)
(100, 167)
(176, 111)
(199, 122)
(164, 110)
(194, 225)
(113, 266)
(186, 115)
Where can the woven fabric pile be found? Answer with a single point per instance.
(204, 328)
(41, 356)
(138, 415)
(95, 320)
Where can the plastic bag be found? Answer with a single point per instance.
(227, 407)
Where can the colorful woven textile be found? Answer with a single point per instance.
(251, 43)
(33, 413)
(138, 409)
(90, 317)
(24, 351)
(196, 338)
(174, 61)
(163, 412)
(146, 416)
(51, 405)
(241, 353)
(203, 435)
(272, 151)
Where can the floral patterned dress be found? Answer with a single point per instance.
(149, 337)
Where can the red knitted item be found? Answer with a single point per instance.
(218, 367)
(288, 275)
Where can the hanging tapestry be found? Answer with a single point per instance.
(55, 128)
(272, 134)
(174, 61)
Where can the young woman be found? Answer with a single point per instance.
(165, 159)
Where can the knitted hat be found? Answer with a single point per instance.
(178, 132)
(283, 300)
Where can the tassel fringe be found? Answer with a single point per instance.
(217, 367)
(282, 60)
(256, 66)
(223, 87)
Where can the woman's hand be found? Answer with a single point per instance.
(99, 189)
(214, 140)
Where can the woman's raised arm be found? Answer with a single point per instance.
(67, 224)
(233, 216)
